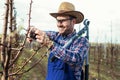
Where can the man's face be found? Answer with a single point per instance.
(65, 25)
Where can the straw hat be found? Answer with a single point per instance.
(67, 8)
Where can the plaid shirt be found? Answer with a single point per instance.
(74, 55)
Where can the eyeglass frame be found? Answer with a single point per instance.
(63, 20)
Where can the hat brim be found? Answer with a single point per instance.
(79, 16)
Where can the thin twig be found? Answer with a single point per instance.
(30, 67)
(27, 61)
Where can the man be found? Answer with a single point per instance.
(64, 63)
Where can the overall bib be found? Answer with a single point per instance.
(58, 70)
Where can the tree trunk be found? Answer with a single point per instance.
(3, 42)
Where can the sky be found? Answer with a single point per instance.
(103, 16)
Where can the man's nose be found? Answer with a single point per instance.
(59, 23)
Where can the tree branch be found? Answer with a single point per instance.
(22, 47)
(30, 67)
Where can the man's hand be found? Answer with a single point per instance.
(40, 36)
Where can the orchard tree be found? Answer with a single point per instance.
(11, 48)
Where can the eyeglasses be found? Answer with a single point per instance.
(63, 20)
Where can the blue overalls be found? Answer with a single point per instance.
(58, 70)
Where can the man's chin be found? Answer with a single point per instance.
(61, 32)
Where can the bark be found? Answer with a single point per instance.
(3, 42)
